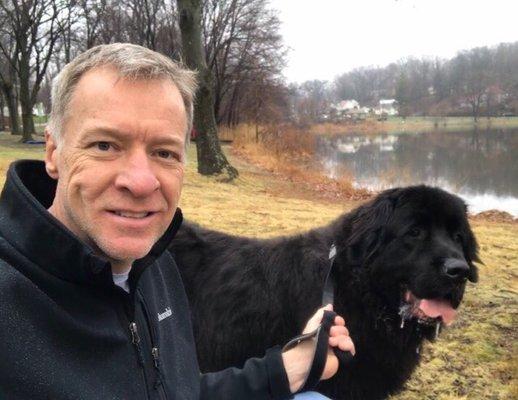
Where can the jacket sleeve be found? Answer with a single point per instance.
(259, 379)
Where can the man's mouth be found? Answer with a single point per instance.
(426, 311)
(132, 214)
(129, 214)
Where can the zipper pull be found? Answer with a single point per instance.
(135, 338)
(154, 353)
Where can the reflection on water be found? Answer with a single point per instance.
(480, 166)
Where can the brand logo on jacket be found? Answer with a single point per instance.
(166, 314)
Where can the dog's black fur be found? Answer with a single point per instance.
(250, 294)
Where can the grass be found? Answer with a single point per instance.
(411, 124)
(288, 152)
(398, 124)
(476, 358)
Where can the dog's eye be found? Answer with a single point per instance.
(414, 232)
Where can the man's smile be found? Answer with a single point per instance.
(132, 214)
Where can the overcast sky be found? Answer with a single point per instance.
(329, 37)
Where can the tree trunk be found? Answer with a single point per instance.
(211, 159)
(12, 106)
(2, 117)
(25, 100)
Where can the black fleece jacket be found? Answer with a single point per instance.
(67, 332)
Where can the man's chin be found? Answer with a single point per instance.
(126, 253)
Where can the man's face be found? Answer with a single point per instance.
(119, 165)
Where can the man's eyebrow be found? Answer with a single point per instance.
(167, 140)
(163, 139)
(103, 130)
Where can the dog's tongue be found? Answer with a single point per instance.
(438, 308)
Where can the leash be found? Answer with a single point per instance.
(321, 334)
(328, 295)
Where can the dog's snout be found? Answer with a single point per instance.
(456, 269)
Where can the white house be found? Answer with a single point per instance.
(387, 106)
(346, 105)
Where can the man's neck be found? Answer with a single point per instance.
(121, 267)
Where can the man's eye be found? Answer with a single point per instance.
(164, 154)
(103, 146)
(167, 155)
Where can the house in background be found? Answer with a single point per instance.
(348, 109)
(346, 105)
(387, 107)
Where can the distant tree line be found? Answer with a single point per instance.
(478, 82)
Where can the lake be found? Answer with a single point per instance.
(479, 165)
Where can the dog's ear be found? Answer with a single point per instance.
(368, 227)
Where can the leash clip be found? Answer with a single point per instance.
(332, 251)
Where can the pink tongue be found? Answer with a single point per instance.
(438, 308)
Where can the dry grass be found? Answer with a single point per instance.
(474, 359)
(411, 124)
(288, 151)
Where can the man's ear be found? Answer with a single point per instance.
(51, 155)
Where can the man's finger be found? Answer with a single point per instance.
(339, 330)
(344, 343)
(339, 320)
(315, 320)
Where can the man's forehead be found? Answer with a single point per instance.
(102, 91)
(109, 77)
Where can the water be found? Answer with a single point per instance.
(479, 165)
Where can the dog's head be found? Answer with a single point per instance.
(419, 250)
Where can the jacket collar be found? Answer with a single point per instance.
(27, 225)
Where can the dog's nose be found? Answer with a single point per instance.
(456, 269)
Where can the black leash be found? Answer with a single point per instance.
(322, 332)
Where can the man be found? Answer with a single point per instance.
(91, 304)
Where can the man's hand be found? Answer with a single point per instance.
(297, 361)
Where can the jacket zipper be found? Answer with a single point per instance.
(155, 352)
(135, 339)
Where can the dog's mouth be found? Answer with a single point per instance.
(429, 312)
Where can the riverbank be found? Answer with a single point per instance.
(476, 358)
(392, 125)
(303, 155)
(416, 124)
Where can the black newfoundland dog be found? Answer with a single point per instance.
(401, 269)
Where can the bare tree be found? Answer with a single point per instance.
(8, 78)
(91, 12)
(244, 50)
(211, 159)
(34, 27)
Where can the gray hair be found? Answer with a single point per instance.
(130, 61)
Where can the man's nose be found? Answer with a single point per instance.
(137, 176)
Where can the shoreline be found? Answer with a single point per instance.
(315, 185)
(395, 125)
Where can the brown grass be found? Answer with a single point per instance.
(371, 126)
(289, 152)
